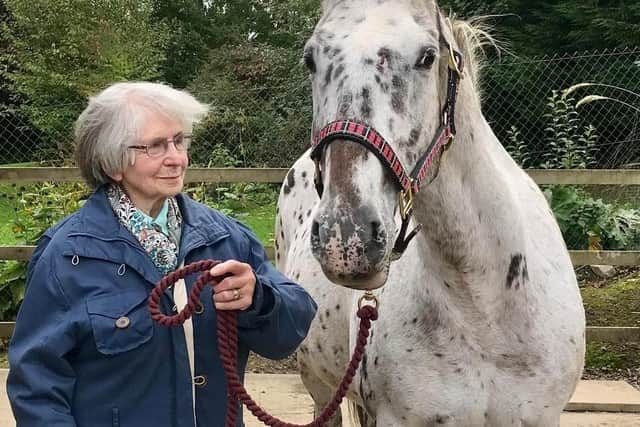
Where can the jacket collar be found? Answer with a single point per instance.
(97, 221)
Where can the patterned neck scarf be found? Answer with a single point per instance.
(162, 248)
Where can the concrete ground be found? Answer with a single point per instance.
(594, 404)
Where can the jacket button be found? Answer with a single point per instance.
(123, 322)
(200, 380)
(199, 308)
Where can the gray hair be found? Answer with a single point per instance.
(114, 119)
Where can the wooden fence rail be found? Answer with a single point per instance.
(276, 175)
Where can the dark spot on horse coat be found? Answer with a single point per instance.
(327, 76)
(338, 71)
(518, 273)
(290, 181)
(399, 94)
(419, 19)
(385, 53)
(345, 104)
(414, 135)
(365, 108)
(441, 419)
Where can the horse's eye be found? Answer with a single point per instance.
(308, 60)
(426, 58)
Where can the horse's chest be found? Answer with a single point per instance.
(423, 378)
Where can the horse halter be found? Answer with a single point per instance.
(372, 140)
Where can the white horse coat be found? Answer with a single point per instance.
(481, 322)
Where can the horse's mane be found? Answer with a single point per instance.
(472, 36)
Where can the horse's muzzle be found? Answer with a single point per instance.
(351, 247)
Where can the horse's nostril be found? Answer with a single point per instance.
(376, 230)
(315, 229)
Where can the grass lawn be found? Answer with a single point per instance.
(7, 214)
(260, 220)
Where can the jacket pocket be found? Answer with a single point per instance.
(120, 322)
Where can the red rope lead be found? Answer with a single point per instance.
(227, 329)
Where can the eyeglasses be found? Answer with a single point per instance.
(159, 146)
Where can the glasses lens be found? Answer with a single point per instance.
(178, 141)
(157, 148)
(183, 142)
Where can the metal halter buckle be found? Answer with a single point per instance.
(369, 297)
(406, 201)
(453, 63)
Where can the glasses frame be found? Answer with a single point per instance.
(165, 141)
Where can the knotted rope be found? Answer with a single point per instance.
(227, 330)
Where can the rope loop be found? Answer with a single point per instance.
(227, 332)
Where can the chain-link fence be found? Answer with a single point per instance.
(270, 126)
(525, 106)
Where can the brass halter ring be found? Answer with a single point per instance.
(369, 297)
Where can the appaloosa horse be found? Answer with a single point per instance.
(481, 322)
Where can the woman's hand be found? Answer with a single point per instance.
(234, 292)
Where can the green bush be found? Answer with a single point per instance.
(599, 356)
(582, 217)
(259, 97)
(569, 142)
(38, 207)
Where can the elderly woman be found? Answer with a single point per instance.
(85, 351)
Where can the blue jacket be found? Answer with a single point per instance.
(70, 364)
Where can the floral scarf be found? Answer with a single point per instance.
(162, 248)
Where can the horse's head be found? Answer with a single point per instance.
(383, 64)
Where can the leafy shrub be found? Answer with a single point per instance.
(569, 143)
(38, 207)
(582, 217)
(259, 97)
(600, 356)
(231, 198)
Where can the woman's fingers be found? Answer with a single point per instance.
(235, 291)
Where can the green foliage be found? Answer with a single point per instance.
(599, 356)
(190, 34)
(569, 143)
(233, 199)
(517, 148)
(547, 27)
(64, 50)
(260, 98)
(581, 217)
(37, 207)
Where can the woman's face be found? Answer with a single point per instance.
(150, 180)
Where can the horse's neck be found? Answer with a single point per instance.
(472, 221)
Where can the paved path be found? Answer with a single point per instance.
(285, 397)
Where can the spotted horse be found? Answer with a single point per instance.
(481, 321)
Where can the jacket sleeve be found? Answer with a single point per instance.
(281, 313)
(41, 381)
